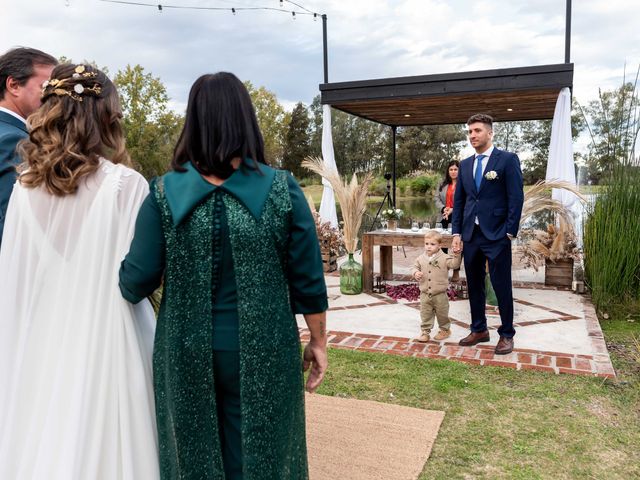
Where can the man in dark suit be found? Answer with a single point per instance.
(22, 72)
(486, 216)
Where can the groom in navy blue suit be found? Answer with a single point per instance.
(486, 215)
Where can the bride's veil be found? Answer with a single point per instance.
(74, 355)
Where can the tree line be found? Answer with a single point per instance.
(152, 130)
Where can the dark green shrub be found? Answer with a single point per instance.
(423, 184)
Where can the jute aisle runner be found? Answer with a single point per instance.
(351, 439)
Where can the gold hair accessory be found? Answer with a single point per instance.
(61, 85)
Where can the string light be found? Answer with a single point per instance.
(301, 10)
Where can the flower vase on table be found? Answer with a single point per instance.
(392, 215)
(350, 277)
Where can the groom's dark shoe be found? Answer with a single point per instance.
(504, 346)
(474, 338)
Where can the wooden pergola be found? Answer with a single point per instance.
(507, 94)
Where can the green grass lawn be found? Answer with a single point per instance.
(315, 191)
(507, 424)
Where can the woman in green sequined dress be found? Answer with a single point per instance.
(236, 245)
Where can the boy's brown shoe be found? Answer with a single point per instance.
(424, 338)
(442, 334)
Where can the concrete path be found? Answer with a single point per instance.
(556, 330)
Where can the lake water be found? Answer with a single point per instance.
(420, 209)
(424, 210)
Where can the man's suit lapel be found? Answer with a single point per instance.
(493, 159)
(469, 173)
(13, 121)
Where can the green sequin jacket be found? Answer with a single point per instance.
(259, 209)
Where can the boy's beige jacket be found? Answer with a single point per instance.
(436, 271)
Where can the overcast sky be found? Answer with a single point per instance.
(367, 39)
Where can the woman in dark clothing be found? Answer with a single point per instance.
(236, 244)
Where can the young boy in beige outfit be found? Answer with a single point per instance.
(431, 270)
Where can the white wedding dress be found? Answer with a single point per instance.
(76, 395)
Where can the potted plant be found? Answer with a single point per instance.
(352, 197)
(556, 247)
(392, 215)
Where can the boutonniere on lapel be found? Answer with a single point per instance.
(434, 263)
(492, 175)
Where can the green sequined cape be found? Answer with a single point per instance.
(273, 430)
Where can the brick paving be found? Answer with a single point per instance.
(557, 330)
(520, 359)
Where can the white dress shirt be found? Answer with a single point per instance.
(484, 161)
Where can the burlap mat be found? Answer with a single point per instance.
(351, 439)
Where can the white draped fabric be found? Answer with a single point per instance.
(561, 165)
(328, 204)
(76, 397)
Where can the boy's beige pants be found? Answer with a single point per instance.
(434, 306)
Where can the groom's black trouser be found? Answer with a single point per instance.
(498, 252)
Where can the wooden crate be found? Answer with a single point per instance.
(558, 273)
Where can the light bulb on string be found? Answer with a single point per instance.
(315, 17)
(233, 10)
(159, 8)
(293, 15)
(281, 4)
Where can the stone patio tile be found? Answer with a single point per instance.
(561, 332)
(565, 302)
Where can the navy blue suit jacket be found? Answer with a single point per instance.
(12, 130)
(498, 202)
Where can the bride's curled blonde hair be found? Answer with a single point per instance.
(79, 122)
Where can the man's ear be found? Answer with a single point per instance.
(12, 86)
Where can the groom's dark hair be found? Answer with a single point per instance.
(18, 63)
(481, 118)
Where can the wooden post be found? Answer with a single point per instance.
(386, 261)
(367, 263)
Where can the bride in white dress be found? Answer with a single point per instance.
(76, 395)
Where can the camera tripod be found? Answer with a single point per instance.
(385, 200)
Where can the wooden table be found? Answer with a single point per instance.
(387, 240)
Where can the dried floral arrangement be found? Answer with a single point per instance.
(329, 237)
(352, 197)
(559, 241)
(556, 243)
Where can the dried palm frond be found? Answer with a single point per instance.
(352, 197)
(538, 199)
(558, 242)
